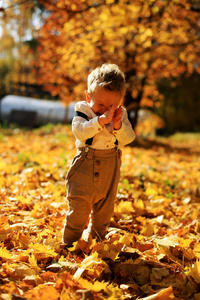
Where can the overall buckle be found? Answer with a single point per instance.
(87, 148)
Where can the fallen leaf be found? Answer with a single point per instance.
(165, 294)
(195, 271)
(4, 253)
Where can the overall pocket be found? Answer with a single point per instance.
(76, 163)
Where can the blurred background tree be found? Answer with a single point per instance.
(180, 108)
(18, 42)
(156, 43)
(149, 40)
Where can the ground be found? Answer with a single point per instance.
(152, 249)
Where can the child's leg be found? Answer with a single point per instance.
(79, 195)
(76, 219)
(107, 183)
(100, 218)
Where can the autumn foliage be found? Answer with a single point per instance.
(55, 44)
(150, 41)
(152, 249)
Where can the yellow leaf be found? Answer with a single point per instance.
(4, 253)
(126, 239)
(195, 271)
(110, 1)
(139, 206)
(43, 249)
(149, 32)
(20, 270)
(146, 44)
(113, 291)
(125, 207)
(59, 5)
(10, 287)
(23, 199)
(33, 262)
(197, 250)
(2, 165)
(188, 253)
(155, 9)
(65, 294)
(148, 229)
(151, 192)
(109, 251)
(91, 260)
(123, 30)
(197, 227)
(185, 243)
(96, 286)
(73, 6)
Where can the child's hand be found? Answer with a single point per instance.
(107, 116)
(117, 123)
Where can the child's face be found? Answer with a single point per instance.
(102, 100)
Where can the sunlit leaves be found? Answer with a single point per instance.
(152, 245)
(4, 253)
(195, 271)
(153, 39)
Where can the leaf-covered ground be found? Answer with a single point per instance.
(152, 249)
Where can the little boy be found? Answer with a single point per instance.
(101, 127)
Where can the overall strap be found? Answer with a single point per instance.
(90, 140)
(80, 114)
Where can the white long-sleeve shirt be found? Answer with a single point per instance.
(103, 137)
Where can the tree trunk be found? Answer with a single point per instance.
(132, 107)
(133, 104)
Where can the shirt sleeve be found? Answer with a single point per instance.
(125, 135)
(83, 129)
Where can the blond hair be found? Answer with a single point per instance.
(108, 77)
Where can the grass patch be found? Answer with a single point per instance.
(182, 137)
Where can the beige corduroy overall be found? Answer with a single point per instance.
(92, 182)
